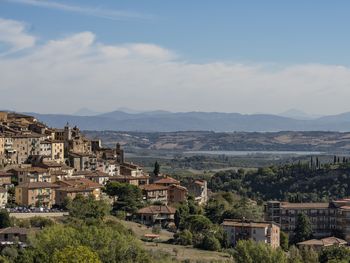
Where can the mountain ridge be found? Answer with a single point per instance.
(164, 121)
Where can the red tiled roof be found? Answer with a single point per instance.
(35, 185)
(153, 187)
(79, 182)
(167, 180)
(328, 241)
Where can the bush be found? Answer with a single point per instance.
(209, 243)
(41, 222)
(120, 215)
(184, 238)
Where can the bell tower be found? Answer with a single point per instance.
(119, 154)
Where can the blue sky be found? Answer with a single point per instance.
(266, 31)
(242, 48)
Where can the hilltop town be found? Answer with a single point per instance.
(60, 172)
(47, 165)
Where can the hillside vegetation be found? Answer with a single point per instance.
(299, 182)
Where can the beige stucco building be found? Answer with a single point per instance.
(265, 232)
(36, 194)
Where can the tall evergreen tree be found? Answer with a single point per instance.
(303, 230)
(156, 170)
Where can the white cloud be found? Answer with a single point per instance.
(78, 71)
(13, 34)
(84, 10)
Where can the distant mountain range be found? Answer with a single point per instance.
(164, 121)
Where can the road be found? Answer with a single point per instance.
(42, 214)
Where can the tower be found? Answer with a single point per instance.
(119, 154)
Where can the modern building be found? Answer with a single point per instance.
(326, 219)
(265, 232)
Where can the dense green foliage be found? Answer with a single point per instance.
(335, 254)
(79, 254)
(87, 235)
(303, 229)
(251, 252)
(225, 205)
(87, 208)
(300, 182)
(128, 197)
(197, 229)
(4, 218)
(284, 241)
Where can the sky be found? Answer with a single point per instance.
(248, 56)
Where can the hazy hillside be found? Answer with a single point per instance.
(197, 140)
(164, 121)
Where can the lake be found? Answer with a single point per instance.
(244, 153)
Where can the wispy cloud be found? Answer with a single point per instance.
(13, 33)
(148, 76)
(84, 10)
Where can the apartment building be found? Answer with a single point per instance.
(266, 232)
(25, 145)
(326, 218)
(53, 150)
(30, 175)
(36, 194)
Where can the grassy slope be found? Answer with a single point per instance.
(183, 252)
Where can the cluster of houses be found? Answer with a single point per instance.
(48, 165)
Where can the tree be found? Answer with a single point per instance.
(284, 241)
(184, 238)
(79, 254)
(334, 254)
(197, 223)
(247, 251)
(303, 230)
(5, 220)
(129, 197)
(10, 252)
(156, 169)
(110, 240)
(209, 242)
(38, 221)
(88, 208)
(294, 255)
